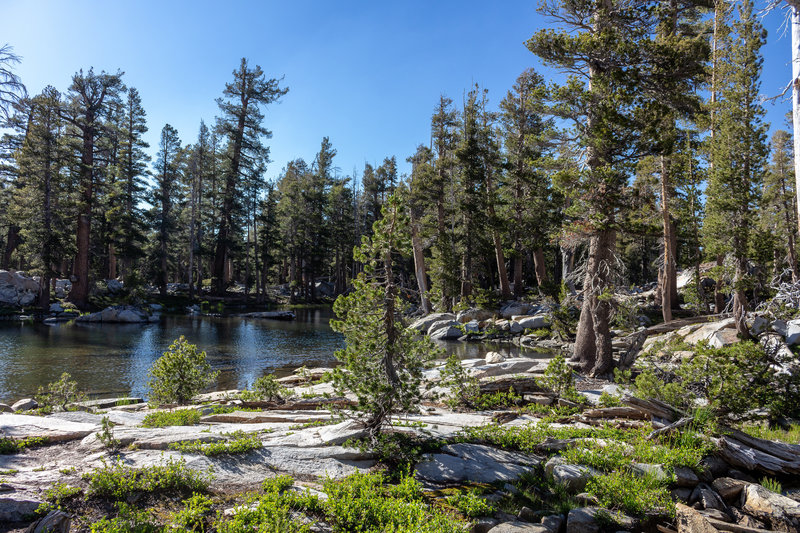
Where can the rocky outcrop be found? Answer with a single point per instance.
(120, 314)
(17, 289)
(459, 463)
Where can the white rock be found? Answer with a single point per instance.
(475, 463)
(53, 429)
(494, 357)
(425, 322)
(533, 322)
(793, 332)
(25, 404)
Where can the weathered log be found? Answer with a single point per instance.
(736, 528)
(788, 452)
(300, 405)
(683, 422)
(520, 385)
(743, 456)
(653, 407)
(635, 343)
(616, 412)
(673, 325)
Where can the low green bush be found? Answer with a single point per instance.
(180, 374)
(195, 514)
(58, 394)
(239, 442)
(470, 503)
(9, 445)
(266, 388)
(361, 502)
(56, 496)
(180, 417)
(128, 520)
(117, 481)
(635, 495)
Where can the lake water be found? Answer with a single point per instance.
(113, 359)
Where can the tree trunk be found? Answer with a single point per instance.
(12, 241)
(419, 267)
(519, 288)
(795, 11)
(719, 298)
(593, 340)
(668, 277)
(112, 261)
(740, 299)
(540, 267)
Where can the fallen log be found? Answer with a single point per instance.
(788, 452)
(616, 412)
(736, 528)
(743, 456)
(683, 422)
(654, 408)
(520, 385)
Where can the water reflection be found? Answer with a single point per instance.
(114, 359)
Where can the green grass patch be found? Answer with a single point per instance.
(117, 481)
(362, 502)
(240, 442)
(9, 445)
(470, 503)
(180, 417)
(128, 520)
(635, 495)
(789, 436)
(56, 496)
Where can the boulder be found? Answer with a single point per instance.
(55, 522)
(422, 324)
(25, 404)
(758, 325)
(478, 315)
(18, 506)
(572, 477)
(515, 328)
(792, 332)
(518, 526)
(690, 521)
(53, 429)
(472, 327)
(704, 332)
(17, 289)
(5, 408)
(439, 324)
(533, 322)
(126, 314)
(723, 338)
(114, 286)
(494, 357)
(781, 512)
(476, 463)
(447, 333)
(513, 309)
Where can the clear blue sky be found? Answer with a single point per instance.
(367, 74)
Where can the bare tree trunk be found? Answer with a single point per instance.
(593, 339)
(419, 267)
(795, 11)
(668, 277)
(540, 267)
(740, 299)
(12, 241)
(112, 261)
(719, 297)
(519, 288)
(79, 294)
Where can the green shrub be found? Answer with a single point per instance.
(180, 374)
(361, 503)
(128, 520)
(558, 377)
(58, 394)
(9, 445)
(194, 515)
(117, 481)
(494, 400)
(179, 417)
(463, 386)
(470, 503)
(268, 513)
(635, 495)
(608, 400)
(266, 388)
(240, 442)
(648, 385)
(56, 496)
(771, 484)
(106, 434)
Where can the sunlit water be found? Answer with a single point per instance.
(113, 359)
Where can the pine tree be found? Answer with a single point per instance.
(738, 154)
(90, 98)
(127, 222)
(241, 124)
(383, 360)
(11, 87)
(526, 133)
(42, 192)
(165, 194)
(777, 201)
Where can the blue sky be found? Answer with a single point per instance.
(366, 74)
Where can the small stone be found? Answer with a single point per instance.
(685, 477)
(728, 488)
(527, 514)
(517, 526)
(54, 522)
(494, 357)
(691, 521)
(25, 404)
(553, 522)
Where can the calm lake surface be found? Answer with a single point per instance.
(113, 359)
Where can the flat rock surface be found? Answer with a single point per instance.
(53, 429)
(256, 417)
(458, 463)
